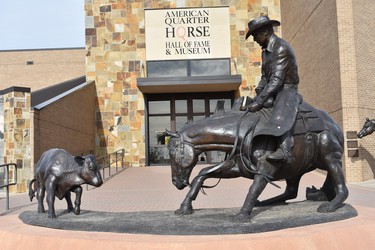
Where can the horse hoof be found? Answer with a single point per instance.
(241, 217)
(326, 207)
(52, 216)
(183, 210)
(77, 211)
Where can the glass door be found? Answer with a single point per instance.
(174, 111)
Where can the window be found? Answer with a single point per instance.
(172, 112)
(212, 67)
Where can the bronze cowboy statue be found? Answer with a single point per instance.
(278, 86)
(277, 136)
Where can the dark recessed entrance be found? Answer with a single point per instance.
(172, 112)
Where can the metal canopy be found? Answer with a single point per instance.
(189, 84)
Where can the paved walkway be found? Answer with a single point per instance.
(148, 189)
(151, 189)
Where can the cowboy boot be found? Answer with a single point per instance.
(284, 152)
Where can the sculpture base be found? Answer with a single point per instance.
(201, 222)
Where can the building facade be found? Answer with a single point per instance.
(159, 64)
(141, 89)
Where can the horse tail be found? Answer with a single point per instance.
(31, 190)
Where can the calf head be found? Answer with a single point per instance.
(90, 170)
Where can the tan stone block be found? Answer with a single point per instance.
(135, 125)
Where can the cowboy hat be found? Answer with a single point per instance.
(260, 22)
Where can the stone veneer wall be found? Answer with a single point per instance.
(2, 170)
(17, 143)
(115, 43)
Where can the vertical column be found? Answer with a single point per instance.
(16, 142)
(349, 85)
(2, 171)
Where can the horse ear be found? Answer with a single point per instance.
(367, 119)
(170, 133)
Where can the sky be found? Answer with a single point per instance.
(42, 24)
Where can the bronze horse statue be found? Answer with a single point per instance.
(318, 143)
(368, 128)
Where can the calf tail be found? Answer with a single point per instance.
(31, 190)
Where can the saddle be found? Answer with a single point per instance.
(308, 120)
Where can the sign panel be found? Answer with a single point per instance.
(189, 33)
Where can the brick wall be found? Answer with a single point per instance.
(332, 40)
(50, 66)
(67, 123)
(311, 28)
(364, 33)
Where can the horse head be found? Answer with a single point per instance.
(367, 129)
(183, 159)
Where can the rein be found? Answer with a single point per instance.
(249, 167)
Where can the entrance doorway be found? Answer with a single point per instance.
(172, 112)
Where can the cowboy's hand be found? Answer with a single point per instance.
(254, 106)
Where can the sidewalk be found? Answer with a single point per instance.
(151, 189)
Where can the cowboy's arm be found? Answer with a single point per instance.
(262, 83)
(279, 66)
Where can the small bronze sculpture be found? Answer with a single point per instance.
(278, 137)
(368, 128)
(58, 173)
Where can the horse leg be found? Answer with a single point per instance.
(326, 193)
(186, 206)
(290, 192)
(255, 190)
(334, 170)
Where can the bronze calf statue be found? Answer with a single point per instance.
(58, 173)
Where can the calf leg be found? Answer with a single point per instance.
(51, 187)
(41, 190)
(77, 202)
(69, 201)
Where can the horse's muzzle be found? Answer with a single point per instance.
(360, 134)
(178, 183)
